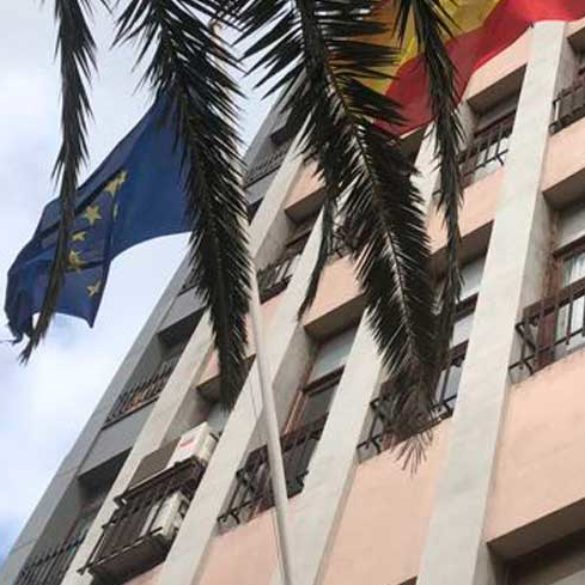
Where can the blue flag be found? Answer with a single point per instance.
(136, 194)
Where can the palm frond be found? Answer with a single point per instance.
(188, 64)
(76, 49)
(321, 52)
(433, 27)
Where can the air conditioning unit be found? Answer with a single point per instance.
(199, 442)
(165, 519)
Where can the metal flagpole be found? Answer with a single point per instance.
(275, 461)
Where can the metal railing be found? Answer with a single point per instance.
(487, 151)
(274, 278)
(252, 492)
(50, 566)
(551, 328)
(141, 394)
(380, 432)
(569, 106)
(135, 537)
(266, 166)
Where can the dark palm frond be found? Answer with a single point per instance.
(433, 27)
(321, 52)
(76, 50)
(188, 65)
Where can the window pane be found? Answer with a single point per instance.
(332, 355)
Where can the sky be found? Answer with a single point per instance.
(46, 403)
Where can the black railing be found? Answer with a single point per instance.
(50, 567)
(274, 278)
(380, 433)
(569, 106)
(551, 329)
(252, 492)
(488, 149)
(266, 166)
(141, 394)
(141, 530)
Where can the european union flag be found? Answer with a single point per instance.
(136, 194)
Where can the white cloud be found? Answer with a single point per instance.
(45, 404)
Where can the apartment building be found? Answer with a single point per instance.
(164, 487)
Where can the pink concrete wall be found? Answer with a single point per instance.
(243, 556)
(306, 184)
(479, 207)
(540, 464)
(268, 310)
(565, 155)
(380, 538)
(507, 62)
(383, 528)
(338, 286)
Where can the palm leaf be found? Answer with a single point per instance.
(76, 50)
(188, 64)
(321, 52)
(433, 28)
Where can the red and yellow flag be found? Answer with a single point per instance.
(483, 28)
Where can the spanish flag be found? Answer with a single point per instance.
(481, 29)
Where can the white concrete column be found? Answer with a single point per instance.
(455, 552)
(321, 503)
(177, 396)
(288, 354)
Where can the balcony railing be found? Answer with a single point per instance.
(141, 394)
(569, 106)
(487, 151)
(253, 492)
(380, 433)
(274, 278)
(50, 567)
(266, 165)
(551, 329)
(148, 517)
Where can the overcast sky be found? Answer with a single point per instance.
(45, 404)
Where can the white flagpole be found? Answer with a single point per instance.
(275, 461)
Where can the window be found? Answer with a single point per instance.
(252, 491)
(555, 326)
(315, 397)
(569, 105)
(490, 143)
(561, 563)
(274, 278)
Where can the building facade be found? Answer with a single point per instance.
(163, 487)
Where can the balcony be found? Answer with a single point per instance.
(488, 150)
(143, 393)
(145, 523)
(49, 567)
(253, 492)
(381, 436)
(569, 106)
(551, 329)
(273, 279)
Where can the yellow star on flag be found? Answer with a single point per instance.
(92, 214)
(115, 184)
(75, 261)
(94, 289)
(79, 236)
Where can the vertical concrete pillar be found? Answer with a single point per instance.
(455, 552)
(177, 396)
(321, 503)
